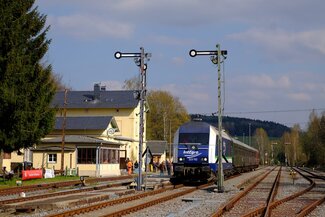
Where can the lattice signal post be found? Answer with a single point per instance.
(139, 59)
(215, 57)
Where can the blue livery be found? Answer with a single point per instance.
(196, 153)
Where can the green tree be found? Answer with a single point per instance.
(313, 140)
(322, 141)
(27, 86)
(166, 114)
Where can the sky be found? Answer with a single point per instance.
(274, 71)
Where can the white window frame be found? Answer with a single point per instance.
(52, 155)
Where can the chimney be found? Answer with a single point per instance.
(97, 91)
(103, 88)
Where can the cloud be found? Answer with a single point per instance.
(178, 60)
(299, 97)
(90, 26)
(196, 97)
(264, 81)
(171, 40)
(280, 41)
(314, 40)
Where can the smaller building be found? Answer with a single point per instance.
(84, 146)
(158, 150)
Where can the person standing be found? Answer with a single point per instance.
(168, 167)
(136, 165)
(162, 168)
(129, 166)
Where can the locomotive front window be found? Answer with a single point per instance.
(202, 138)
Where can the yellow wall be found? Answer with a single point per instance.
(126, 119)
(17, 158)
(6, 163)
(87, 170)
(40, 159)
(103, 170)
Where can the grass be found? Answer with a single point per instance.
(12, 182)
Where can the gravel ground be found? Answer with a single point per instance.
(290, 184)
(205, 202)
(320, 210)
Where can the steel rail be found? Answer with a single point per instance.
(153, 202)
(274, 204)
(112, 202)
(36, 187)
(42, 196)
(264, 211)
(231, 203)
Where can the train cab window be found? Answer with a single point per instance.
(202, 138)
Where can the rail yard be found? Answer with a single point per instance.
(267, 191)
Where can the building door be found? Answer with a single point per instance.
(122, 159)
(70, 161)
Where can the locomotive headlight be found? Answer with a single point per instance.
(181, 159)
(204, 159)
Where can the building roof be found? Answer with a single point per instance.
(86, 123)
(76, 139)
(157, 147)
(103, 99)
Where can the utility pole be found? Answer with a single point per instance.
(250, 135)
(285, 153)
(170, 140)
(141, 96)
(165, 139)
(272, 149)
(215, 57)
(63, 129)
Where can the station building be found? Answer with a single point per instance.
(96, 130)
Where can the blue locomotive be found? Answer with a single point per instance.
(196, 153)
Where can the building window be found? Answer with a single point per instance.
(52, 158)
(86, 155)
(109, 156)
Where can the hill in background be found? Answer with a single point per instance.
(239, 127)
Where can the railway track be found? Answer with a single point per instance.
(60, 193)
(253, 198)
(298, 204)
(129, 204)
(305, 201)
(29, 188)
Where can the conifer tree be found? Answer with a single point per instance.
(26, 85)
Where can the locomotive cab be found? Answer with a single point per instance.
(192, 151)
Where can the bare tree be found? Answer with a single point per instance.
(264, 146)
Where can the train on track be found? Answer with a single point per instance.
(196, 154)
